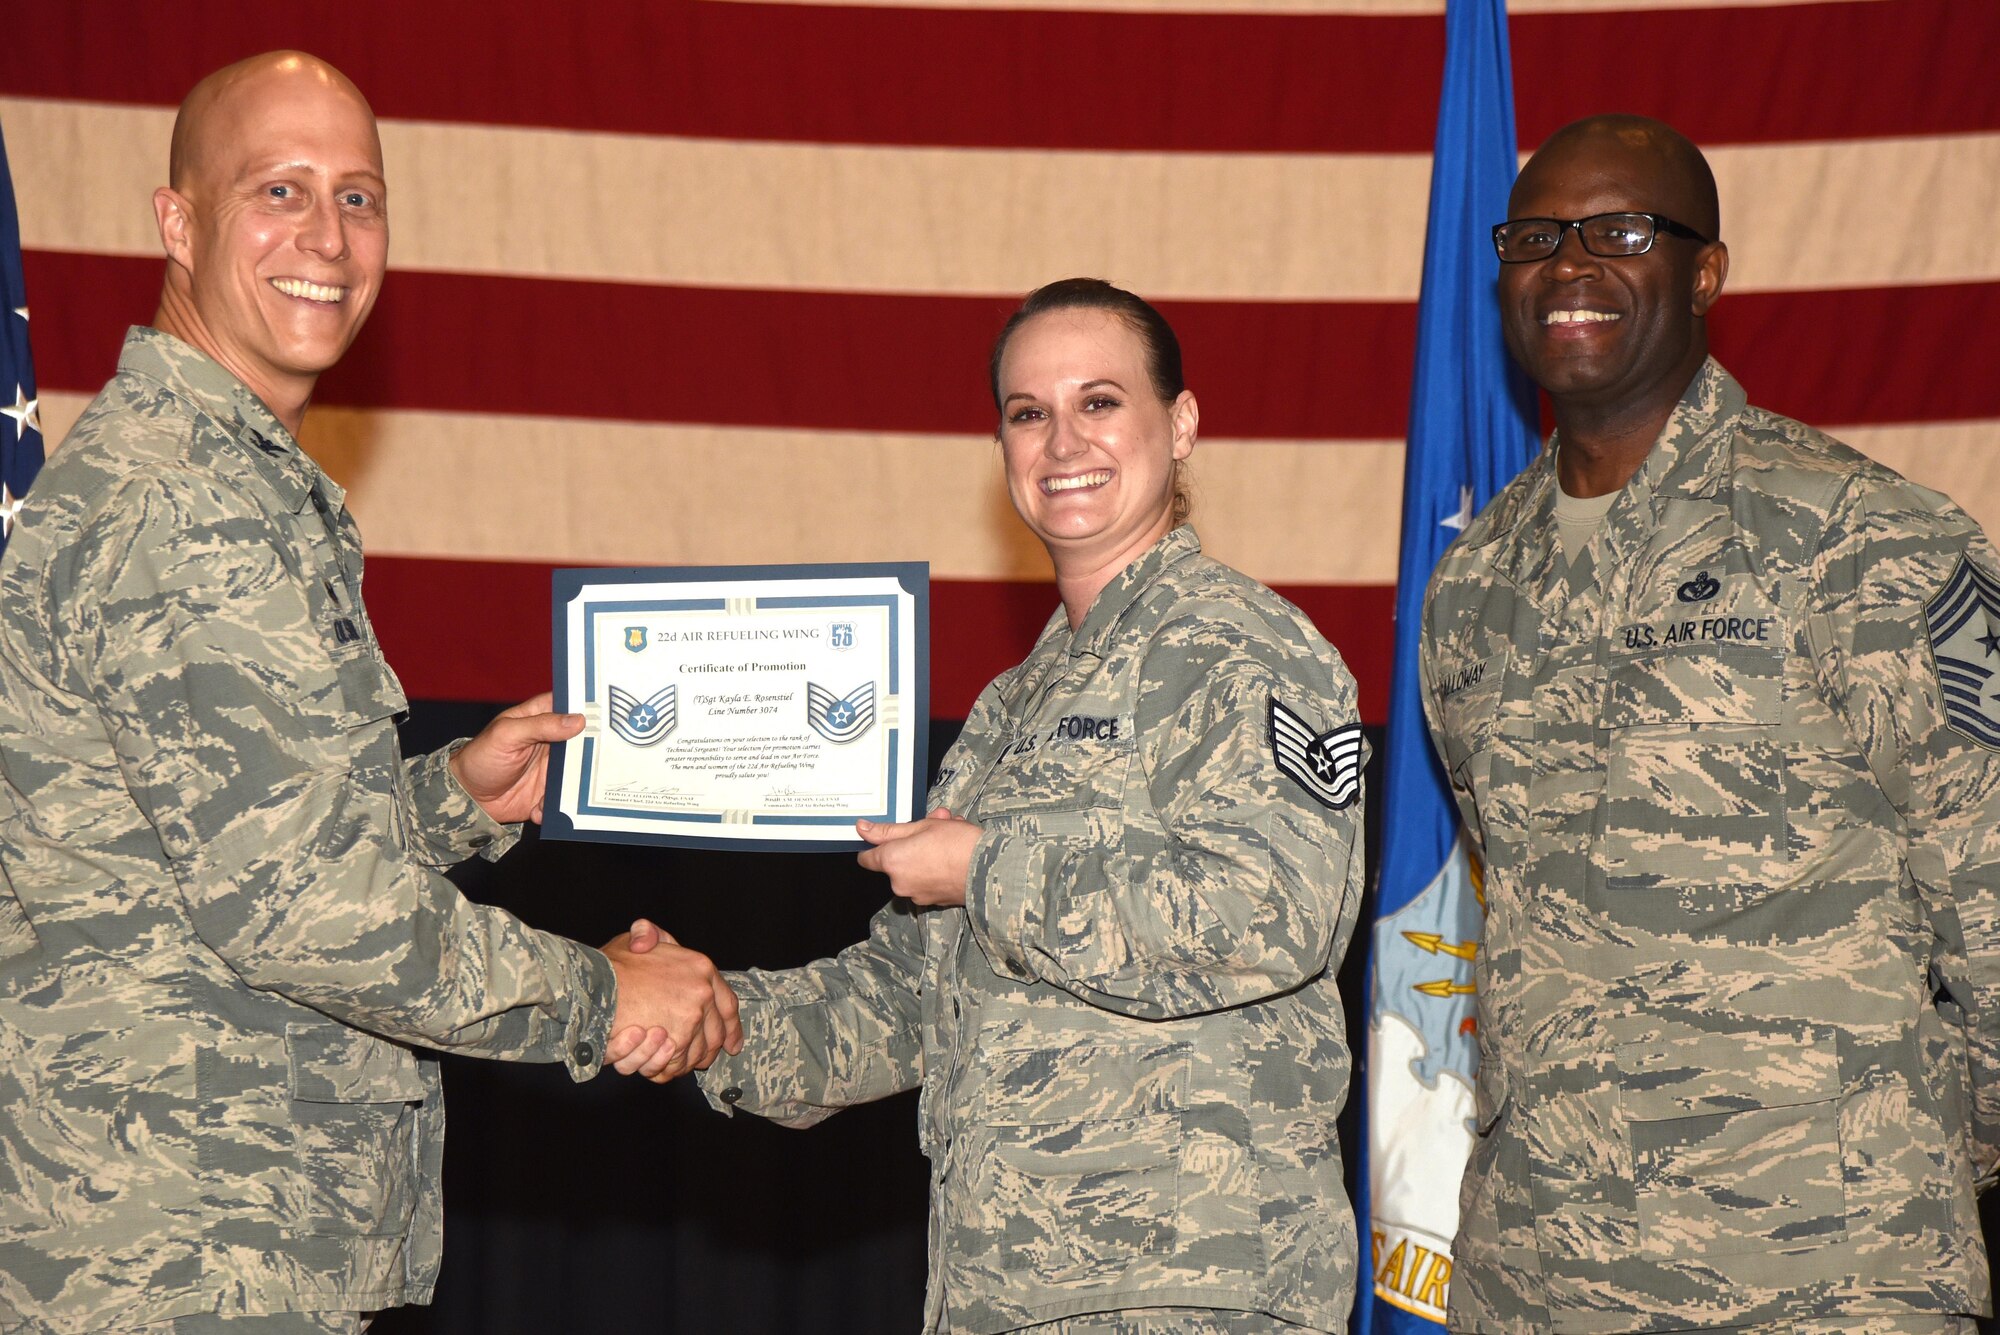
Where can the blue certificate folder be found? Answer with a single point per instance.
(740, 707)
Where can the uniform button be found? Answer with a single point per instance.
(1015, 967)
(584, 1052)
(481, 840)
(732, 1095)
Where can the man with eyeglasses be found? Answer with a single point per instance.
(1715, 694)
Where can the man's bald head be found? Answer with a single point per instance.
(276, 226)
(213, 114)
(1672, 168)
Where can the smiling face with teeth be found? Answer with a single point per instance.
(1089, 446)
(1614, 341)
(275, 226)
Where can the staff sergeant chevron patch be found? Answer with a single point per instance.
(1964, 625)
(1327, 766)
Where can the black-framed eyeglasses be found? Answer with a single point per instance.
(1608, 235)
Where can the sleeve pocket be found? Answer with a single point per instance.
(369, 690)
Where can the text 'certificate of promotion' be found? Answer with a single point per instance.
(753, 707)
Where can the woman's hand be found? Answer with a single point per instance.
(926, 860)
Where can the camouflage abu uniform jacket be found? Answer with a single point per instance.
(220, 888)
(1737, 1007)
(1129, 1041)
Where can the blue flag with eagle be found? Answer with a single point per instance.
(1472, 427)
(21, 429)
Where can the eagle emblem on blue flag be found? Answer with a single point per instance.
(635, 638)
(840, 718)
(1964, 625)
(1327, 764)
(643, 722)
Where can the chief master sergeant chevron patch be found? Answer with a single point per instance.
(1964, 625)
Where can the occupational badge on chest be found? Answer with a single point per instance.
(1716, 604)
(1963, 621)
(1327, 765)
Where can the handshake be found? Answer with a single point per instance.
(675, 1012)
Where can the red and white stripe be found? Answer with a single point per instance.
(710, 281)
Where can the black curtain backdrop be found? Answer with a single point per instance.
(623, 1206)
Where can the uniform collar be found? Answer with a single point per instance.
(1686, 460)
(199, 380)
(1678, 464)
(1100, 623)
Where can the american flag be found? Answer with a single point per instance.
(706, 282)
(711, 282)
(21, 433)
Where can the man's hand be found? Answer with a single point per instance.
(507, 764)
(926, 860)
(675, 1012)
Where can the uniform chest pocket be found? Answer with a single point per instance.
(1695, 772)
(1066, 789)
(1470, 712)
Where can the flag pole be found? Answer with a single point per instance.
(1472, 427)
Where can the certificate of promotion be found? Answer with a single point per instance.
(753, 707)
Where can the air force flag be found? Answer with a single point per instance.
(643, 722)
(840, 718)
(1472, 427)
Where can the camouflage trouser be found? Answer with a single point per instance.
(1928, 1323)
(1907, 1324)
(272, 1323)
(1166, 1321)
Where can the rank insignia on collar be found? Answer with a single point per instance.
(1963, 622)
(1699, 589)
(1327, 765)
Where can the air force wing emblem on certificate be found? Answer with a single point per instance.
(1327, 765)
(635, 638)
(643, 722)
(1964, 625)
(840, 718)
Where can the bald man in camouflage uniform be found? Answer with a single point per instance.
(224, 923)
(1712, 689)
